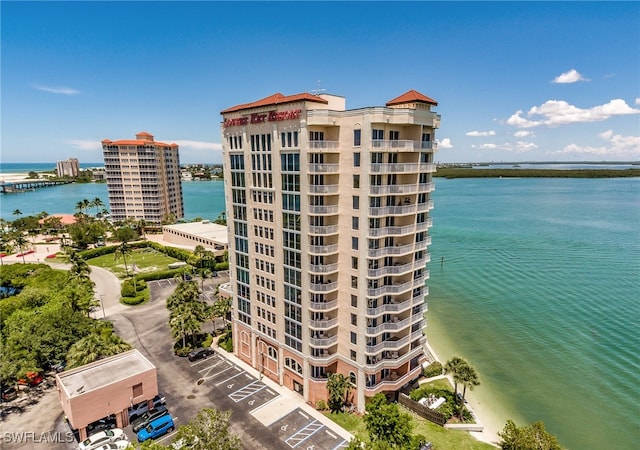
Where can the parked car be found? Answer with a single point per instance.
(151, 415)
(97, 440)
(137, 410)
(105, 423)
(117, 445)
(201, 353)
(156, 428)
(31, 379)
(9, 393)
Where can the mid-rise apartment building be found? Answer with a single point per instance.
(328, 213)
(143, 179)
(68, 168)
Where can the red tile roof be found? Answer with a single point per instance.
(412, 96)
(276, 99)
(137, 142)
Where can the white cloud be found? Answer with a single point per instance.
(571, 76)
(524, 133)
(518, 147)
(480, 133)
(85, 144)
(198, 151)
(445, 143)
(627, 147)
(558, 112)
(56, 90)
(197, 145)
(638, 101)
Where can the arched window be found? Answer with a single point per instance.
(293, 365)
(353, 379)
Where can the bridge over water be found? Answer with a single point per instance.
(9, 187)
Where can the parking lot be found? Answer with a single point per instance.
(263, 415)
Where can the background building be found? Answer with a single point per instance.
(68, 168)
(143, 179)
(328, 213)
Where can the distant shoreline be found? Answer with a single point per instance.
(468, 172)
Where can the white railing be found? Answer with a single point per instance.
(390, 289)
(323, 341)
(324, 168)
(323, 249)
(389, 308)
(324, 145)
(323, 306)
(392, 231)
(323, 209)
(388, 251)
(392, 210)
(393, 189)
(323, 323)
(324, 188)
(323, 268)
(329, 229)
(388, 345)
(323, 287)
(389, 326)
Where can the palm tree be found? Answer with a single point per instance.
(21, 242)
(222, 308)
(96, 203)
(95, 346)
(452, 367)
(469, 379)
(122, 251)
(79, 267)
(17, 213)
(338, 387)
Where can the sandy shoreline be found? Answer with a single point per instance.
(12, 177)
(484, 415)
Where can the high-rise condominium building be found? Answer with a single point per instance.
(143, 179)
(328, 213)
(68, 168)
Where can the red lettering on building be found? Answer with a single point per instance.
(271, 116)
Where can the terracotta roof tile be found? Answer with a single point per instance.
(276, 99)
(412, 96)
(138, 142)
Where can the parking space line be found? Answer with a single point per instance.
(259, 407)
(342, 444)
(247, 391)
(303, 434)
(231, 378)
(206, 377)
(202, 361)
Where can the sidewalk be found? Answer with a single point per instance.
(287, 401)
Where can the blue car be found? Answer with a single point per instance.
(155, 429)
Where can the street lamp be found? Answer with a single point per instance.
(102, 305)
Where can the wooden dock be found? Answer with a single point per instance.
(10, 187)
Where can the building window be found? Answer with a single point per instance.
(352, 378)
(377, 135)
(356, 202)
(356, 160)
(356, 181)
(354, 243)
(354, 338)
(353, 355)
(354, 262)
(354, 282)
(137, 390)
(355, 223)
(357, 135)
(354, 301)
(354, 319)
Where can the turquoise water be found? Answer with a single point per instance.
(538, 290)
(202, 199)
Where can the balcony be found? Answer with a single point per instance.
(323, 209)
(323, 230)
(393, 307)
(401, 145)
(323, 268)
(396, 269)
(393, 325)
(390, 289)
(395, 167)
(390, 251)
(323, 341)
(323, 306)
(328, 146)
(324, 188)
(323, 249)
(389, 344)
(394, 231)
(394, 210)
(394, 189)
(324, 168)
(426, 187)
(323, 324)
(392, 382)
(424, 207)
(323, 359)
(323, 287)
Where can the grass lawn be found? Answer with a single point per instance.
(145, 259)
(441, 438)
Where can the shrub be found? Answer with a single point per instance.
(226, 342)
(207, 341)
(222, 266)
(127, 289)
(433, 370)
(321, 405)
(131, 301)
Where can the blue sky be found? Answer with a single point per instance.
(515, 81)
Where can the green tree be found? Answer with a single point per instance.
(530, 437)
(222, 308)
(469, 379)
(17, 212)
(20, 241)
(97, 204)
(122, 251)
(209, 430)
(452, 367)
(101, 343)
(386, 424)
(338, 387)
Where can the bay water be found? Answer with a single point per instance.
(534, 281)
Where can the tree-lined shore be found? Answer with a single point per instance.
(470, 172)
